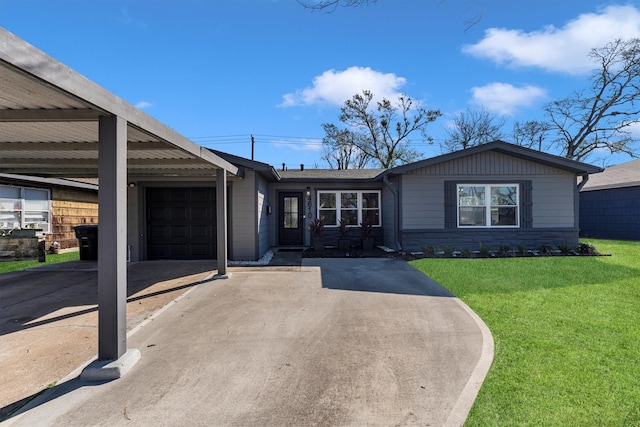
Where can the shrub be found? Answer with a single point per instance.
(343, 229)
(430, 251)
(484, 250)
(317, 227)
(504, 250)
(366, 227)
(522, 249)
(587, 249)
(565, 248)
(545, 249)
(448, 250)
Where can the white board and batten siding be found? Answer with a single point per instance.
(423, 189)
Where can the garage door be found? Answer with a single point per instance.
(181, 223)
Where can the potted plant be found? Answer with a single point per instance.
(317, 228)
(343, 241)
(366, 227)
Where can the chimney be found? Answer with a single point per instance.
(283, 166)
(301, 167)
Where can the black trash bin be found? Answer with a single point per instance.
(87, 235)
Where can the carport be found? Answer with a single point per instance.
(56, 123)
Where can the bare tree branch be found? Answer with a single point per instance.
(473, 127)
(340, 150)
(382, 133)
(531, 134)
(330, 5)
(601, 117)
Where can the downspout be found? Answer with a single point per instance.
(396, 211)
(585, 178)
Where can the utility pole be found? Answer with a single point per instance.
(253, 144)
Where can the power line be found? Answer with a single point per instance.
(275, 139)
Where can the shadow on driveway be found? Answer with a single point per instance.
(48, 317)
(372, 275)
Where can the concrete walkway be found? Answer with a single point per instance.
(334, 342)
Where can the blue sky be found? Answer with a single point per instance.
(219, 71)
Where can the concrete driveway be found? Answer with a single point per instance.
(334, 342)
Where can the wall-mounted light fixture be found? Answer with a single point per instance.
(308, 191)
(131, 184)
(268, 210)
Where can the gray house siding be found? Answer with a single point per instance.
(243, 221)
(549, 218)
(553, 200)
(263, 218)
(422, 201)
(612, 213)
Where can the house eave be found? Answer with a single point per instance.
(504, 148)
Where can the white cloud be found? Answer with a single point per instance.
(298, 144)
(143, 104)
(563, 49)
(634, 129)
(504, 98)
(335, 87)
(128, 20)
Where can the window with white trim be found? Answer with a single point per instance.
(350, 206)
(488, 205)
(24, 207)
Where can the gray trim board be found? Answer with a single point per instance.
(48, 181)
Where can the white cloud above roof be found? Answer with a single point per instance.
(308, 144)
(555, 49)
(141, 105)
(505, 98)
(335, 87)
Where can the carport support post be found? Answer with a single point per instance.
(113, 358)
(112, 238)
(221, 222)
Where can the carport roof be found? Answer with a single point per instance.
(49, 123)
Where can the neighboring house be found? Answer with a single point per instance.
(53, 205)
(610, 203)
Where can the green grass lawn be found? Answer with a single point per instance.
(566, 332)
(7, 266)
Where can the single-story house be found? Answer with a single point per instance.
(610, 203)
(52, 205)
(495, 194)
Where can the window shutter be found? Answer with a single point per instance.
(450, 205)
(526, 212)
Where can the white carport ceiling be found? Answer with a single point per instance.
(49, 124)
